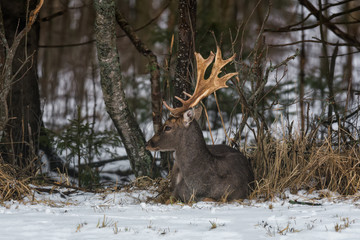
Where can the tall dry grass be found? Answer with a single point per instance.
(297, 162)
(13, 186)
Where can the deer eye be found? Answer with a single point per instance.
(167, 128)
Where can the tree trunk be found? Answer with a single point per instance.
(20, 141)
(185, 56)
(114, 96)
(302, 77)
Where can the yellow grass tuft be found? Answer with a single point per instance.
(12, 186)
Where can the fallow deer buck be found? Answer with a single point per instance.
(202, 171)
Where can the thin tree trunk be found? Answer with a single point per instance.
(185, 56)
(348, 66)
(324, 67)
(114, 96)
(302, 77)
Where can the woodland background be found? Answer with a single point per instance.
(293, 109)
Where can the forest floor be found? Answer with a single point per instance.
(60, 213)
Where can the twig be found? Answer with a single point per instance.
(310, 41)
(222, 120)
(207, 119)
(304, 203)
(61, 12)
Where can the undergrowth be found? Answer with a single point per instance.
(298, 162)
(290, 162)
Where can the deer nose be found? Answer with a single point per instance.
(148, 145)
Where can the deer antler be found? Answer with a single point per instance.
(204, 87)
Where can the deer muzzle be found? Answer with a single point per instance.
(150, 146)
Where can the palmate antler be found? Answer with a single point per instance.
(204, 87)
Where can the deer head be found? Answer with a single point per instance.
(181, 117)
(174, 131)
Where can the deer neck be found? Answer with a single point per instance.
(192, 152)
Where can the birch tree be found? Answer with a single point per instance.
(114, 95)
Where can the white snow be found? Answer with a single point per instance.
(123, 215)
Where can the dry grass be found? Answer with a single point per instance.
(296, 162)
(345, 224)
(159, 187)
(12, 185)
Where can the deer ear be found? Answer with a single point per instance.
(198, 112)
(189, 116)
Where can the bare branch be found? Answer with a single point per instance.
(326, 21)
(337, 31)
(93, 40)
(153, 67)
(310, 41)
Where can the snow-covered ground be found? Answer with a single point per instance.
(125, 215)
